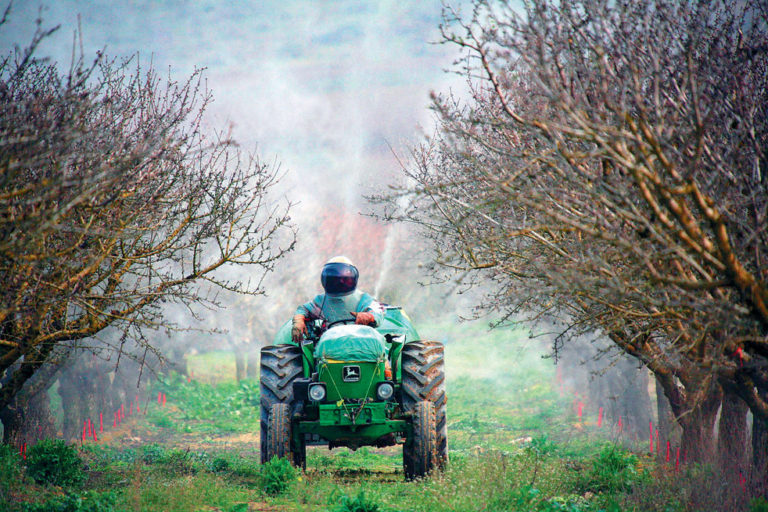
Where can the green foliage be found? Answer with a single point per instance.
(52, 461)
(277, 475)
(758, 505)
(228, 406)
(541, 446)
(357, 504)
(613, 469)
(89, 501)
(218, 465)
(152, 453)
(10, 470)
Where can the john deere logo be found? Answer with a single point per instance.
(350, 373)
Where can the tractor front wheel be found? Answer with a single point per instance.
(420, 452)
(279, 432)
(280, 366)
(423, 369)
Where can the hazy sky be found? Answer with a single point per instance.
(321, 86)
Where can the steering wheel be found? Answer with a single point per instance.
(343, 321)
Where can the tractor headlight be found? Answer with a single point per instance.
(316, 392)
(385, 390)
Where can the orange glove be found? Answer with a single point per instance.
(364, 318)
(299, 329)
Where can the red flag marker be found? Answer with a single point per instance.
(101, 423)
(650, 426)
(600, 417)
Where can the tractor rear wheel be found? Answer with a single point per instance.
(423, 374)
(279, 432)
(280, 366)
(419, 453)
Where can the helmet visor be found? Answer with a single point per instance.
(339, 278)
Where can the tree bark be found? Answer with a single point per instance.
(239, 362)
(698, 424)
(732, 436)
(759, 477)
(252, 366)
(664, 422)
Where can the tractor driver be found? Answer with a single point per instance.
(340, 300)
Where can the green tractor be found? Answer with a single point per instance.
(355, 385)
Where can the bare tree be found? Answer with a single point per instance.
(609, 169)
(113, 201)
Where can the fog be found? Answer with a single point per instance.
(334, 93)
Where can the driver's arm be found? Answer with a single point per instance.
(368, 304)
(309, 311)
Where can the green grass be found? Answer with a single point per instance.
(514, 445)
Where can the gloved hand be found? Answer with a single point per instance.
(299, 330)
(364, 318)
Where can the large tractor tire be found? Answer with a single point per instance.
(420, 452)
(280, 366)
(278, 432)
(423, 374)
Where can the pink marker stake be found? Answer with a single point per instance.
(114, 421)
(667, 451)
(101, 423)
(159, 397)
(581, 409)
(85, 427)
(657, 441)
(138, 409)
(621, 426)
(650, 426)
(600, 417)
(163, 399)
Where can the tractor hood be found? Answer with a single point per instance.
(351, 343)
